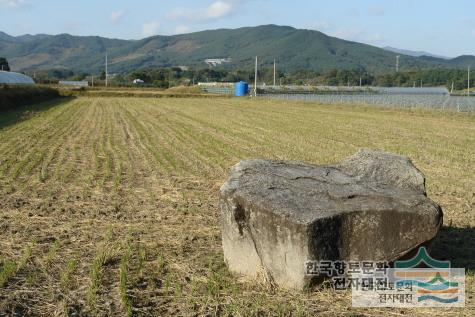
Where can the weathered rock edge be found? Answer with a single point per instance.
(278, 215)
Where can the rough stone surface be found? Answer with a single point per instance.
(278, 215)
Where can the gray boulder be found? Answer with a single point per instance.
(278, 215)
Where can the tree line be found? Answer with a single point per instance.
(169, 77)
(176, 76)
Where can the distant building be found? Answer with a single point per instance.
(74, 83)
(138, 81)
(217, 61)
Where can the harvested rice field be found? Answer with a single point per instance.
(109, 206)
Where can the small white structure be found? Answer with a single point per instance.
(138, 81)
(217, 61)
(74, 83)
(12, 78)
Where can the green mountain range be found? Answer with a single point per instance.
(293, 49)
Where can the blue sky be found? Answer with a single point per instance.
(437, 26)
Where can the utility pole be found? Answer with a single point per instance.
(397, 64)
(421, 83)
(274, 72)
(452, 90)
(468, 82)
(255, 80)
(92, 79)
(361, 82)
(107, 75)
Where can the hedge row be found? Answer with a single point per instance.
(12, 97)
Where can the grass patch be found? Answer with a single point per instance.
(9, 268)
(123, 277)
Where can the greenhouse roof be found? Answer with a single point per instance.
(415, 90)
(15, 78)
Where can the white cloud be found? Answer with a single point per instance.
(181, 29)
(12, 3)
(116, 16)
(178, 13)
(150, 28)
(215, 11)
(218, 9)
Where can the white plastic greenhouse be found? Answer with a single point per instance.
(13, 78)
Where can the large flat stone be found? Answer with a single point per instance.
(278, 215)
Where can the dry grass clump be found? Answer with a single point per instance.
(138, 92)
(109, 205)
(185, 90)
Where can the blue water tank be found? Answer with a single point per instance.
(241, 89)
